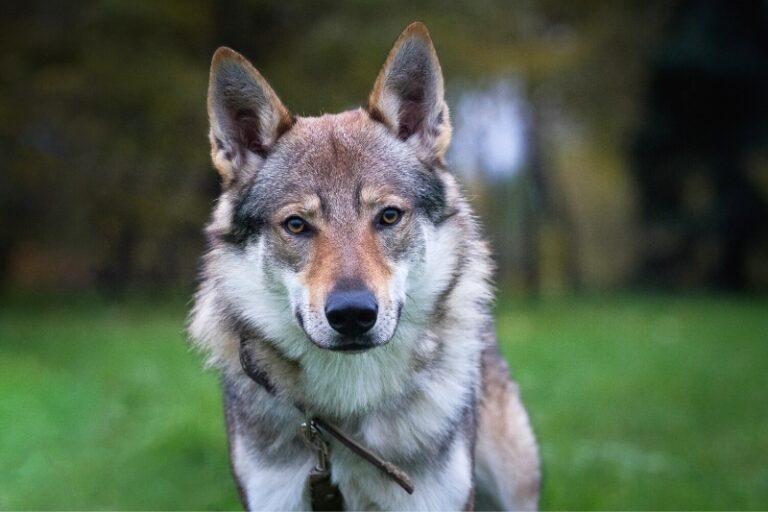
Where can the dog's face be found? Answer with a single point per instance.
(339, 209)
(326, 218)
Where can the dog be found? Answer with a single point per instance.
(343, 257)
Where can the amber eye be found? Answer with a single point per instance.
(390, 216)
(296, 225)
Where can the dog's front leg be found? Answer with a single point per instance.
(446, 485)
(270, 485)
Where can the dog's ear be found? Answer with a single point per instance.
(408, 95)
(245, 114)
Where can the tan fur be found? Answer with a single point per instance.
(346, 253)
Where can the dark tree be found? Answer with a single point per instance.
(707, 119)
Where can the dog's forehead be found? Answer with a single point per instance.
(344, 160)
(333, 151)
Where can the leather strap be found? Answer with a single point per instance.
(399, 476)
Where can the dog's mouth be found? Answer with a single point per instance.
(346, 345)
(352, 348)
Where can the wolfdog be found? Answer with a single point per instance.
(345, 262)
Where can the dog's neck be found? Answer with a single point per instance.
(342, 387)
(314, 427)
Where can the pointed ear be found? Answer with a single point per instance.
(408, 94)
(245, 114)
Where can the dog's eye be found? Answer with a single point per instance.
(390, 216)
(296, 225)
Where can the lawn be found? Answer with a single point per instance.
(638, 402)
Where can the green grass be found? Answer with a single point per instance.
(638, 403)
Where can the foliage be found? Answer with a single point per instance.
(105, 179)
(103, 142)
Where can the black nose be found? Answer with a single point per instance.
(351, 312)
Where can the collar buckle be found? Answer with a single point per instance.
(315, 441)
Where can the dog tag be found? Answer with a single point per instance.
(323, 493)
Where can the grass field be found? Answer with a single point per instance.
(638, 402)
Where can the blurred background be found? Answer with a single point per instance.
(617, 152)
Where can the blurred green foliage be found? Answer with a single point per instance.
(639, 403)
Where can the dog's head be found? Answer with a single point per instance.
(324, 221)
